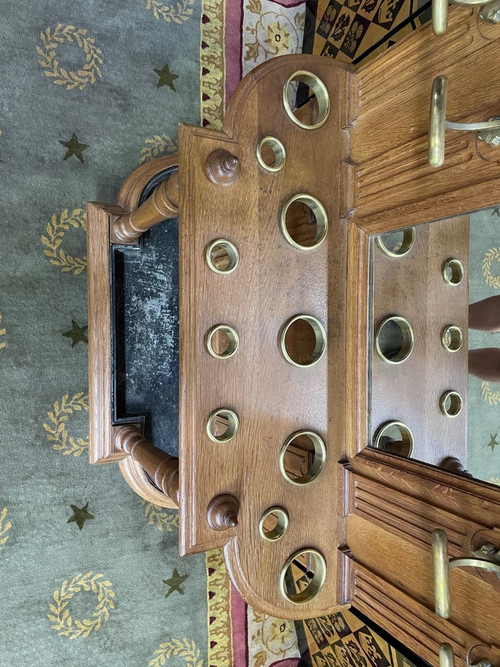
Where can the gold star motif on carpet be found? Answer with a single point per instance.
(74, 147)
(77, 334)
(493, 441)
(175, 581)
(80, 515)
(166, 77)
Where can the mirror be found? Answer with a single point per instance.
(434, 350)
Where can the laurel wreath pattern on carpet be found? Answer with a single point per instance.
(5, 526)
(55, 232)
(60, 617)
(164, 520)
(177, 12)
(183, 648)
(89, 72)
(490, 256)
(3, 331)
(156, 146)
(56, 426)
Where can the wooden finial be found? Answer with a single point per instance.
(161, 467)
(222, 512)
(454, 465)
(222, 167)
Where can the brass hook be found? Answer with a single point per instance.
(488, 131)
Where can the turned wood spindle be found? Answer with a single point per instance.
(163, 204)
(222, 167)
(162, 468)
(222, 512)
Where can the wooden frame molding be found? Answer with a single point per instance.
(108, 224)
(374, 512)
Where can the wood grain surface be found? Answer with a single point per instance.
(413, 287)
(272, 283)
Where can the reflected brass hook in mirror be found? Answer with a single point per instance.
(490, 12)
(488, 131)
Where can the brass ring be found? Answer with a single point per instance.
(316, 584)
(407, 438)
(453, 271)
(406, 243)
(320, 336)
(455, 403)
(232, 337)
(318, 463)
(321, 220)
(233, 425)
(232, 253)
(278, 150)
(318, 88)
(452, 338)
(281, 526)
(407, 335)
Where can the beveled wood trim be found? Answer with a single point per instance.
(357, 339)
(101, 441)
(471, 499)
(102, 434)
(135, 477)
(410, 517)
(394, 182)
(406, 619)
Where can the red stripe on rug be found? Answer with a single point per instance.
(239, 622)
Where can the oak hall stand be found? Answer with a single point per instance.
(278, 329)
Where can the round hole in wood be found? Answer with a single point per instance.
(273, 524)
(302, 341)
(315, 113)
(271, 154)
(453, 271)
(304, 222)
(451, 403)
(398, 243)
(394, 437)
(222, 425)
(222, 256)
(394, 340)
(303, 576)
(222, 341)
(452, 338)
(302, 457)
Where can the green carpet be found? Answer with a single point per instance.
(90, 575)
(484, 397)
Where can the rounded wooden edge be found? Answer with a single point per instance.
(136, 478)
(131, 189)
(320, 605)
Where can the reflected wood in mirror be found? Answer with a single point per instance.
(411, 286)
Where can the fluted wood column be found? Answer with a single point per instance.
(162, 468)
(163, 204)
